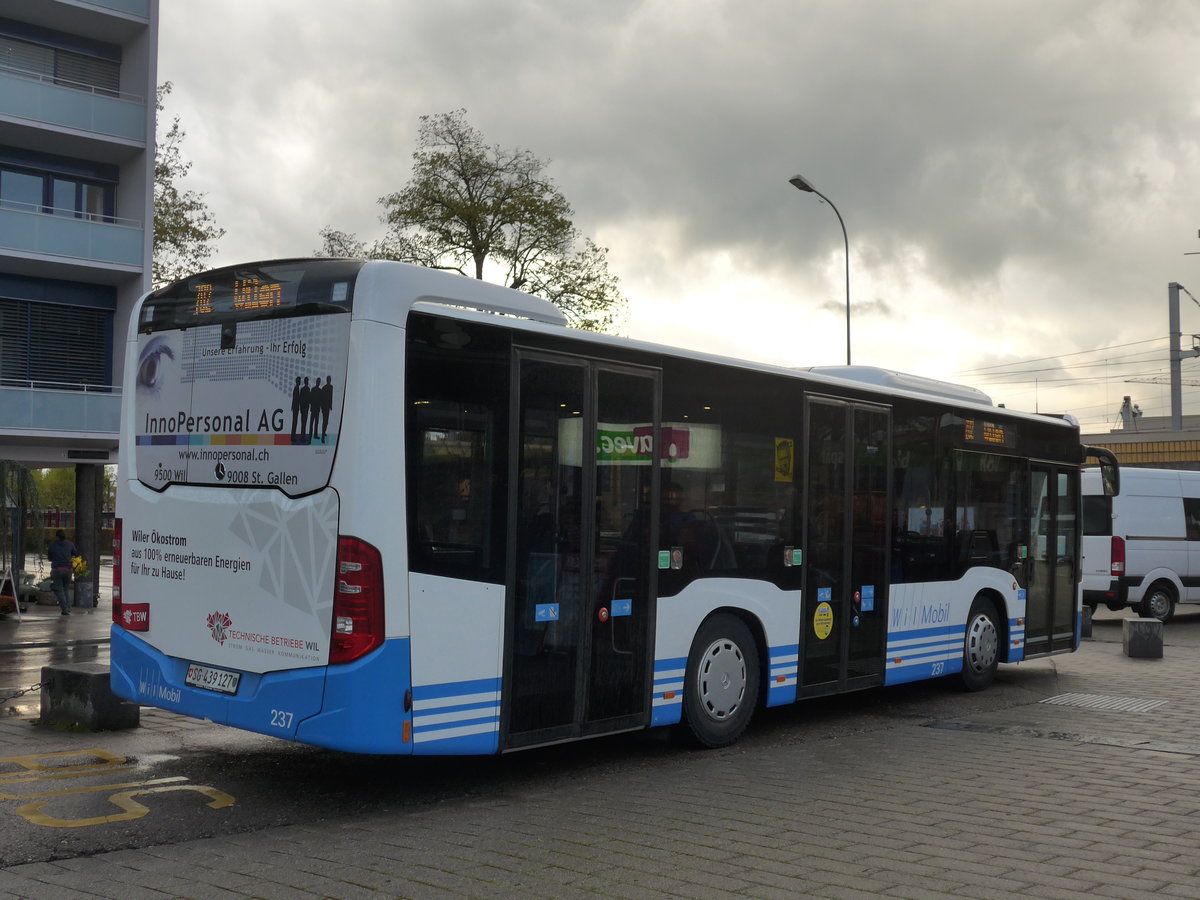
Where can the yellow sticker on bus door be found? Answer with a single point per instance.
(823, 620)
(785, 460)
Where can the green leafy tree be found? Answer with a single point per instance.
(474, 209)
(55, 487)
(184, 227)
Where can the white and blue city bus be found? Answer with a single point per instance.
(383, 509)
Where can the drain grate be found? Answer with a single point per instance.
(1100, 701)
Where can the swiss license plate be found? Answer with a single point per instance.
(212, 679)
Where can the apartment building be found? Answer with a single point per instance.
(77, 88)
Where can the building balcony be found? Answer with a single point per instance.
(33, 98)
(107, 243)
(53, 409)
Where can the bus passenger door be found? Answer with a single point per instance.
(583, 544)
(844, 625)
(623, 547)
(1051, 573)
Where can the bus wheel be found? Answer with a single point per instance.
(721, 685)
(1159, 602)
(981, 646)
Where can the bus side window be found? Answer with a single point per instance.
(988, 532)
(451, 510)
(730, 480)
(456, 401)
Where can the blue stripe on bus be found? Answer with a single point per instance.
(925, 633)
(1016, 641)
(932, 652)
(920, 653)
(455, 688)
(923, 671)
(423, 730)
(427, 712)
(668, 680)
(784, 673)
(485, 742)
(456, 717)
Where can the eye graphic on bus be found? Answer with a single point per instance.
(150, 365)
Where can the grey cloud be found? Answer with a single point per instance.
(1045, 152)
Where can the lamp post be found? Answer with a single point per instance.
(801, 183)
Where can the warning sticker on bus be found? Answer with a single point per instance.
(253, 403)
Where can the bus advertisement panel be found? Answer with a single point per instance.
(241, 403)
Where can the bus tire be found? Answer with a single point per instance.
(721, 682)
(1159, 602)
(981, 646)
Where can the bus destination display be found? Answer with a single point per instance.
(253, 291)
(991, 433)
(247, 293)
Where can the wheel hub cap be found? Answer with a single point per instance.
(982, 644)
(721, 679)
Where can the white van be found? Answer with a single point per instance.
(1141, 549)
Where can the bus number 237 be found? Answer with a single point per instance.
(281, 719)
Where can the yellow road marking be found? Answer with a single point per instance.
(39, 767)
(32, 812)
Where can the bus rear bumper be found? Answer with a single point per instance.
(357, 707)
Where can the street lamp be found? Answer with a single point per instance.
(801, 183)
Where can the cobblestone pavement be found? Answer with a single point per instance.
(1094, 795)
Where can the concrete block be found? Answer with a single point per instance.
(1085, 627)
(1142, 638)
(79, 695)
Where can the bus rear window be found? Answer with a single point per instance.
(251, 292)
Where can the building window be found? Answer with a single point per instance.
(21, 190)
(53, 346)
(33, 191)
(61, 67)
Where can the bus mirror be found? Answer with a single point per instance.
(1110, 471)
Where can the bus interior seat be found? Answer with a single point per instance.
(979, 545)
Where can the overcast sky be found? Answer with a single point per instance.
(1018, 179)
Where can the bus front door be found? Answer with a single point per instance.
(1051, 582)
(844, 624)
(581, 589)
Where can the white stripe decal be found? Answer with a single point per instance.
(463, 700)
(442, 734)
(457, 716)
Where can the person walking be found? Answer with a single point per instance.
(59, 554)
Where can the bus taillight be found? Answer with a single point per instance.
(116, 572)
(357, 601)
(1118, 556)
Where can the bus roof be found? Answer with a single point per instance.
(388, 290)
(469, 298)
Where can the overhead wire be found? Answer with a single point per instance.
(982, 369)
(1024, 382)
